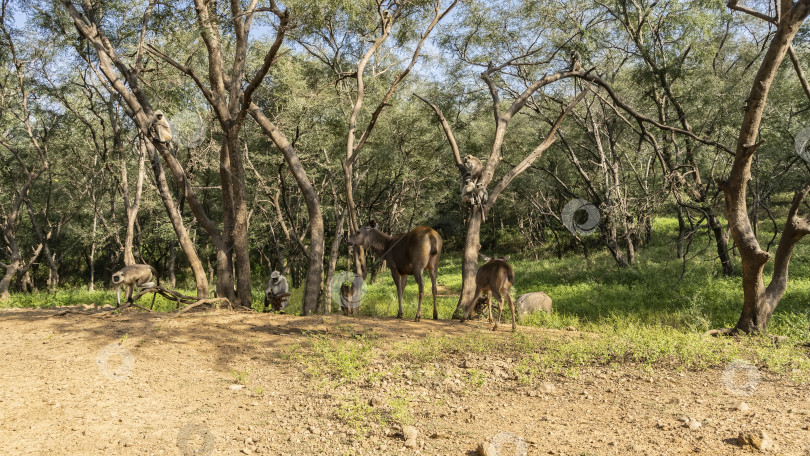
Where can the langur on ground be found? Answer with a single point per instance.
(277, 295)
(139, 275)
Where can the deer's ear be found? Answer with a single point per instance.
(486, 258)
(372, 223)
(506, 258)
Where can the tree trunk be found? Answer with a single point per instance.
(722, 243)
(356, 252)
(239, 235)
(334, 252)
(132, 207)
(681, 233)
(759, 302)
(5, 282)
(92, 285)
(177, 223)
(170, 269)
(469, 266)
(312, 292)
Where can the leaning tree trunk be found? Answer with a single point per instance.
(760, 302)
(177, 222)
(312, 290)
(722, 243)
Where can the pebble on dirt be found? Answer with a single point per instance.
(758, 439)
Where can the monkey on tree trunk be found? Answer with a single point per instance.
(135, 275)
(468, 196)
(474, 167)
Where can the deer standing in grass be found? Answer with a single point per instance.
(405, 254)
(497, 277)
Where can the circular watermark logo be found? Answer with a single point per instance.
(195, 439)
(504, 441)
(188, 128)
(741, 377)
(348, 290)
(801, 144)
(105, 366)
(580, 216)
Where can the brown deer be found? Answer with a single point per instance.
(406, 254)
(496, 277)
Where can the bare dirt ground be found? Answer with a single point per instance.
(175, 390)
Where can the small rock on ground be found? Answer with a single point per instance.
(758, 439)
(410, 432)
(486, 449)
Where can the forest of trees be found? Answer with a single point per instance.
(295, 122)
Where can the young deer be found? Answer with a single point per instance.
(406, 254)
(496, 277)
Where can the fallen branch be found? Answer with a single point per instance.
(189, 301)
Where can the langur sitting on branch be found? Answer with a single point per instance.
(160, 129)
(468, 192)
(474, 167)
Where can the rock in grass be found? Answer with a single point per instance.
(532, 302)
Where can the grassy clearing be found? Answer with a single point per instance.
(653, 314)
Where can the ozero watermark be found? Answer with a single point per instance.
(580, 216)
(504, 441)
(196, 440)
(105, 365)
(188, 128)
(348, 289)
(741, 377)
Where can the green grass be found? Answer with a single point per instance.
(653, 313)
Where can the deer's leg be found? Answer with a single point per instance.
(489, 307)
(434, 290)
(420, 280)
(512, 308)
(400, 284)
(495, 294)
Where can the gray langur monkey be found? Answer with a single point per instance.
(139, 275)
(474, 167)
(481, 194)
(481, 198)
(468, 192)
(277, 295)
(576, 61)
(160, 128)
